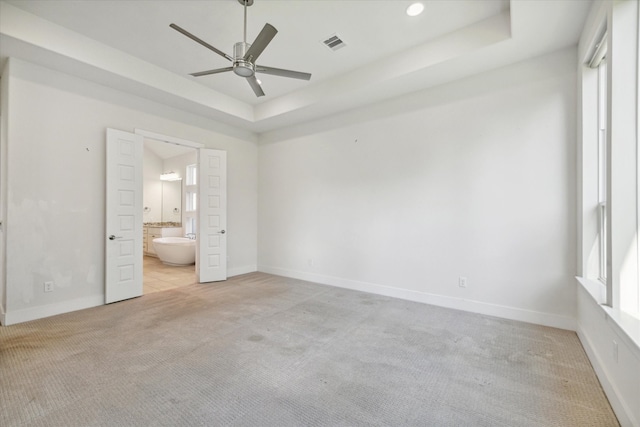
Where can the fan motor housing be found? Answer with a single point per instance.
(240, 66)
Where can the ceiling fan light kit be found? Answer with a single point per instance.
(245, 55)
(240, 66)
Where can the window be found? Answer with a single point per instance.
(610, 159)
(191, 199)
(190, 225)
(191, 175)
(602, 169)
(602, 236)
(192, 204)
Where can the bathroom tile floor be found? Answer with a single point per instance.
(160, 277)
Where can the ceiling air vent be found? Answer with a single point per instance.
(334, 42)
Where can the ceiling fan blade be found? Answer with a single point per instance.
(283, 73)
(264, 38)
(202, 42)
(253, 82)
(216, 71)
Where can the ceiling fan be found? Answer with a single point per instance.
(245, 55)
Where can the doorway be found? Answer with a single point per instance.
(125, 208)
(169, 200)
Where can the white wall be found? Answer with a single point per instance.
(599, 329)
(476, 180)
(55, 214)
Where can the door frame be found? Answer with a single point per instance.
(176, 141)
(167, 138)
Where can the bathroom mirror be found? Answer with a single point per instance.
(172, 201)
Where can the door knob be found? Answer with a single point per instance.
(112, 237)
(221, 231)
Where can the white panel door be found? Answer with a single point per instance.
(123, 247)
(212, 215)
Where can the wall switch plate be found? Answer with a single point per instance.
(462, 282)
(48, 286)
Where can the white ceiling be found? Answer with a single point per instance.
(129, 45)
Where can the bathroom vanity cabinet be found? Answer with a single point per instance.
(149, 233)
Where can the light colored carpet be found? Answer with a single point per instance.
(262, 350)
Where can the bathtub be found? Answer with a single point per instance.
(175, 250)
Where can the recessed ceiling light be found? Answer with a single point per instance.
(415, 9)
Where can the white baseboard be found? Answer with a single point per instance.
(613, 395)
(39, 312)
(237, 271)
(34, 313)
(512, 313)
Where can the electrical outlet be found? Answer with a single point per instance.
(615, 351)
(462, 282)
(48, 286)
